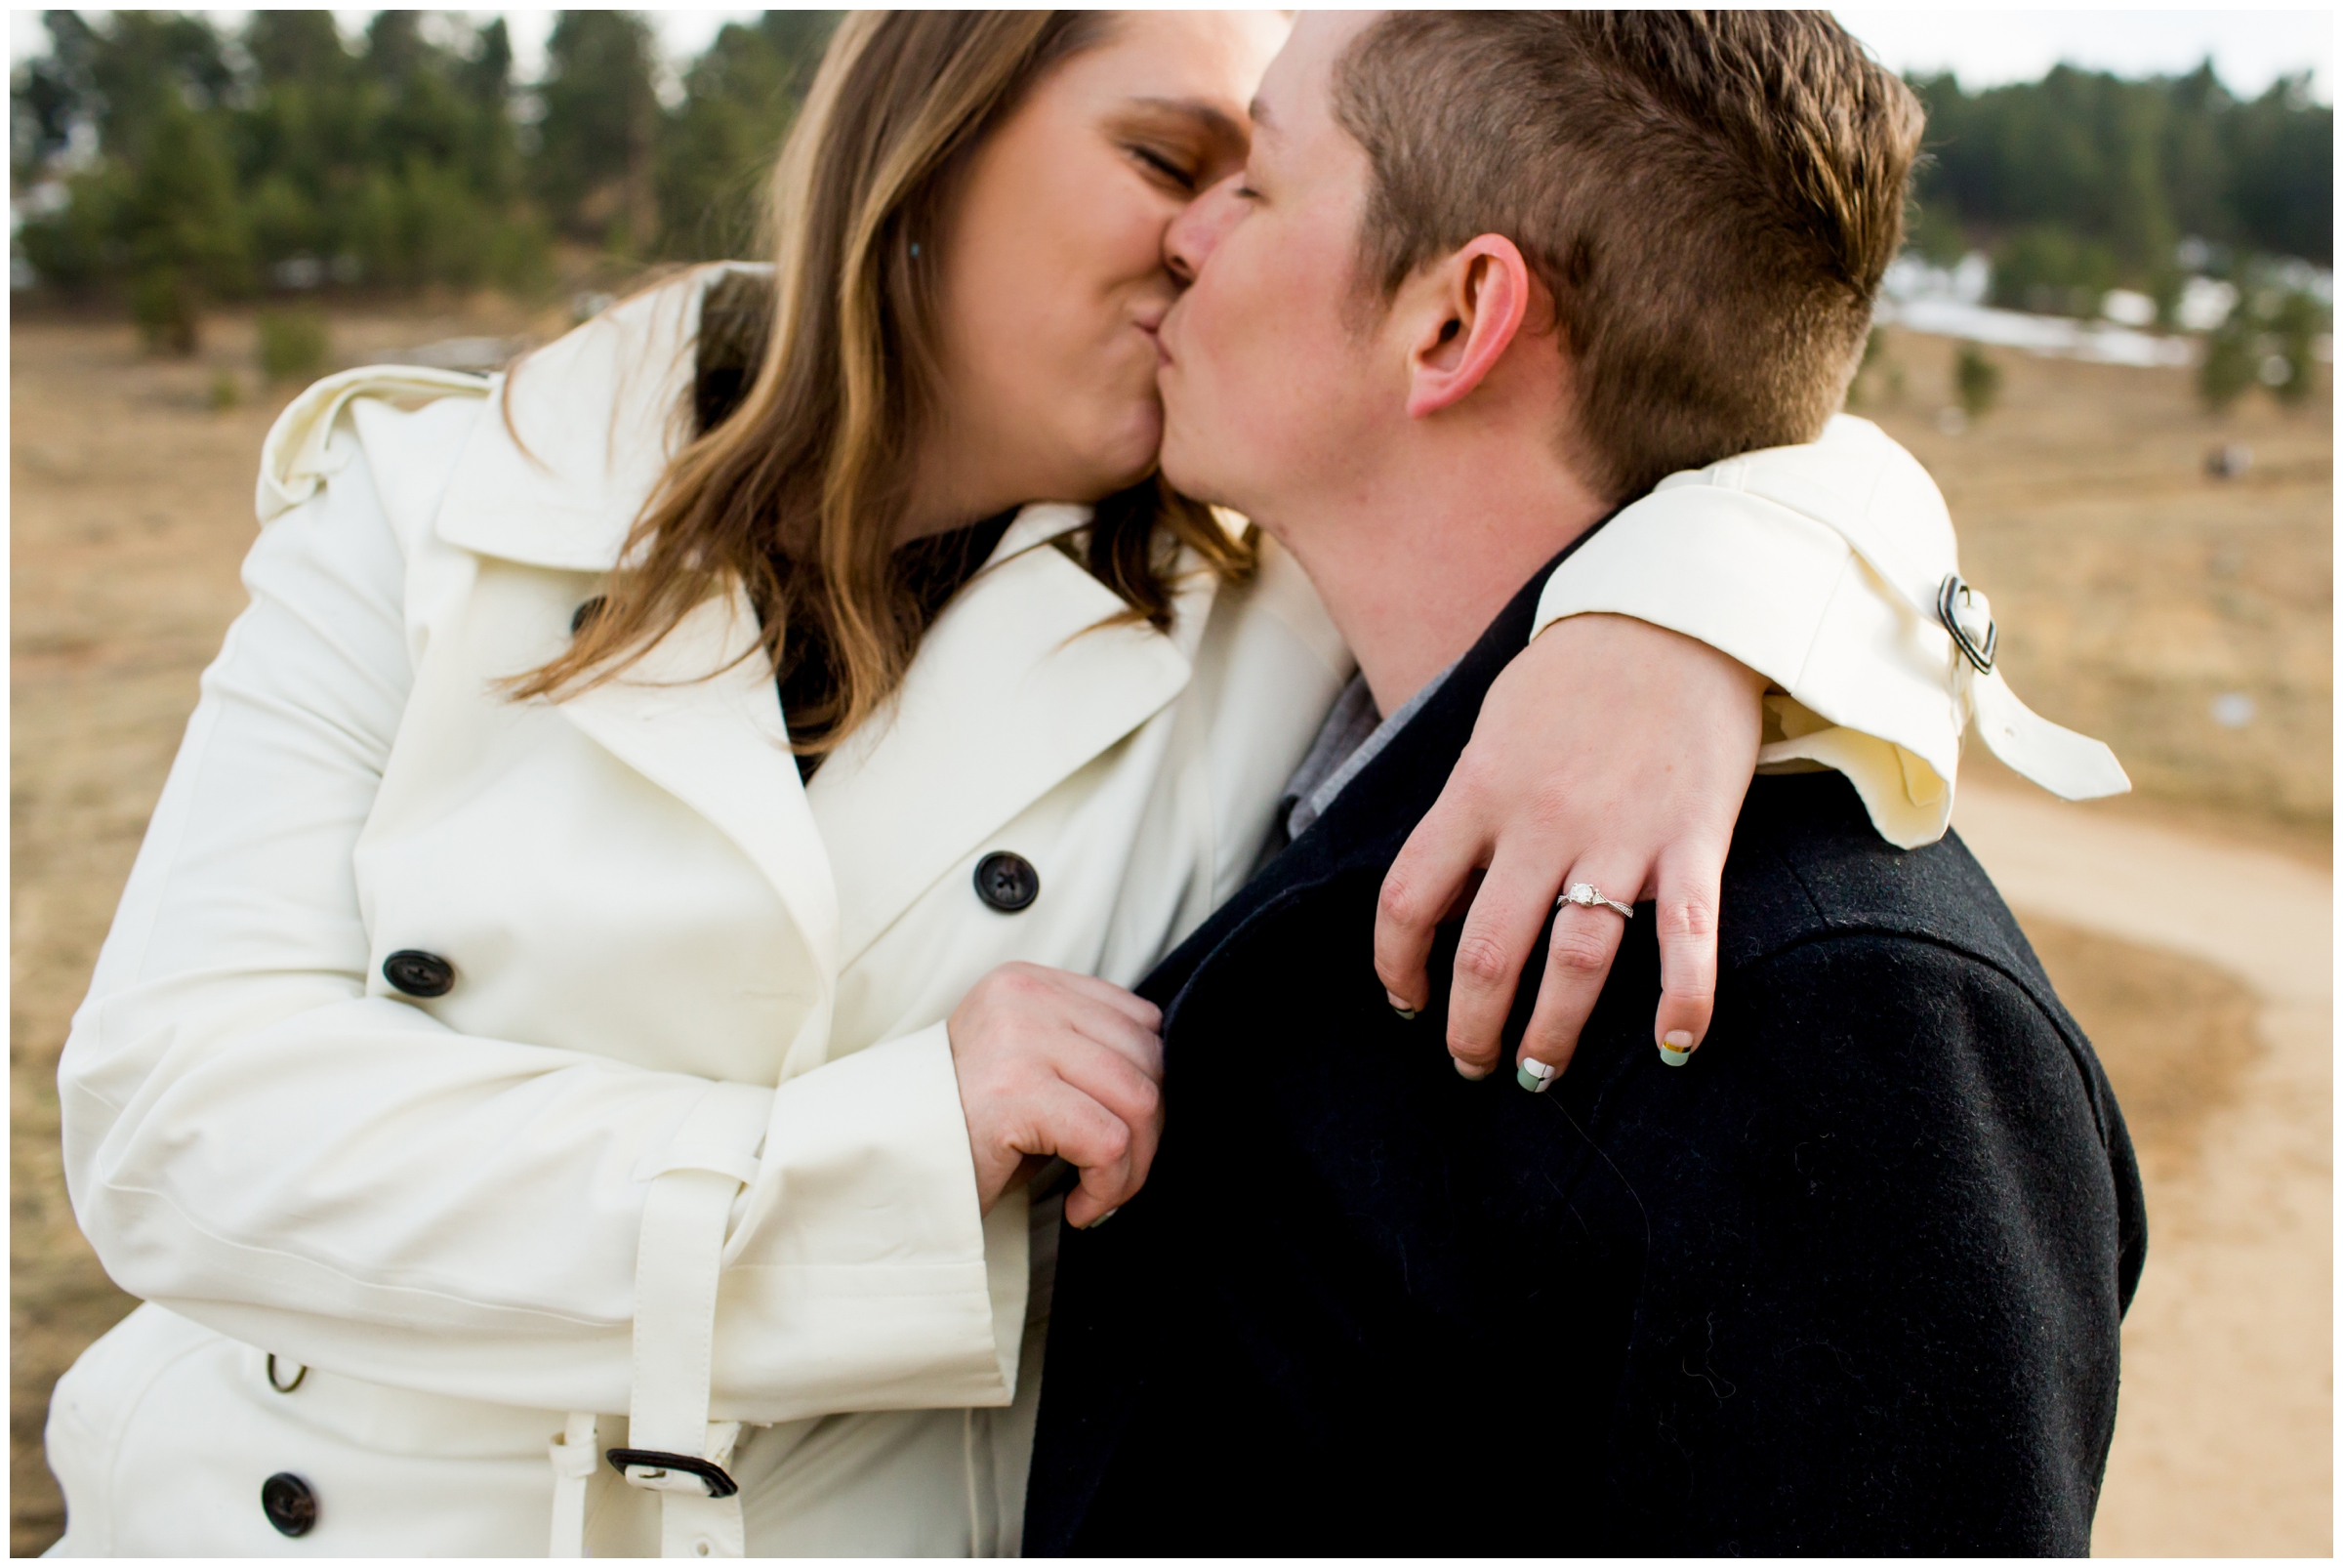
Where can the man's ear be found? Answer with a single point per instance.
(1472, 309)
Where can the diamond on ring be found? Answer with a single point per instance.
(1589, 895)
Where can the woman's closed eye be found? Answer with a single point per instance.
(1164, 166)
(1182, 144)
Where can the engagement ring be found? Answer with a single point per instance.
(1588, 894)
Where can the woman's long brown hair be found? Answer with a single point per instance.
(796, 496)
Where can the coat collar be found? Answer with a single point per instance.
(1365, 825)
(596, 415)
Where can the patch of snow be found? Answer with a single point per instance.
(2051, 336)
(2127, 307)
(2204, 303)
(1911, 278)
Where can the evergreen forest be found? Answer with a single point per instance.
(162, 162)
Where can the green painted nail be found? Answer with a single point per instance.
(1399, 1006)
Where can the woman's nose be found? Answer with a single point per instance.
(1196, 233)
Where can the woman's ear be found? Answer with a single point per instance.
(1477, 300)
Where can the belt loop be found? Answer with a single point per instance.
(577, 1453)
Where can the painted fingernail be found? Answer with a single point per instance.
(1399, 1006)
(1465, 1069)
(1103, 1218)
(1534, 1075)
(1676, 1047)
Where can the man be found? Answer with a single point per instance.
(1849, 1282)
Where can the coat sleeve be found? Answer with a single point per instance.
(252, 1140)
(1890, 1248)
(1764, 556)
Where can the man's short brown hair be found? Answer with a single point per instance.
(1713, 196)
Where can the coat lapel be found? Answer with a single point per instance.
(717, 743)
(597, 418)
(1015, 687)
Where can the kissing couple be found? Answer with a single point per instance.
(1288, 622)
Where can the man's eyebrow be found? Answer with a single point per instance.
(1210, 116)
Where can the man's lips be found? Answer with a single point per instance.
(1163, 349)
(1155, 335)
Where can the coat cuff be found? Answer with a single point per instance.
(870, 1247)
(1786, 595)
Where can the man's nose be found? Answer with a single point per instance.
(1198, 231)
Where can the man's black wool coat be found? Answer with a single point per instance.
(1849, 1282)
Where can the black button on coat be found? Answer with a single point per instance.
(290, 1503)
(419, 973)
(1008, 881)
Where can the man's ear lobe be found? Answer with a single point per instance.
(1479, 297)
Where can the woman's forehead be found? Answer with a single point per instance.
(1210, 60)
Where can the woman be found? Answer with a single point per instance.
(501, 1032)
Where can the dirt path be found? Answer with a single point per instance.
(2224, 1445)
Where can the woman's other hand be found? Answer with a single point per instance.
(1056, 1064)
(1611, 752)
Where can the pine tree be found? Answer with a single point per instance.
(592, 166)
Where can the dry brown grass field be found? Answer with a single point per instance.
(2132, 589)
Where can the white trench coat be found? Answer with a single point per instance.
(678, 1161)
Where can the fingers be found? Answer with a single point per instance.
(1114, 1028)
(1095, 1082)
(1686, 913)
(1076, 1127)
(1114, 1125)
(1141, 1011)
(1125, 1091)
(1429, 878)
(1578, 961)
(1500, 931)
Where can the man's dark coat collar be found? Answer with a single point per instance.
(1371, 819)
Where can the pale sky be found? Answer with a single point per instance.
(2249, 48)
